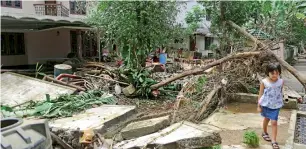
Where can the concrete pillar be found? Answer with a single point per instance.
(79, 44)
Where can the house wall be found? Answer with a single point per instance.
(41, 45)
(14, 60)
(200, 43)
(47, 44)
(281, 51)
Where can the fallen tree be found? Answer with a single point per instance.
(262, 47)
(291, 69)
(202, 70)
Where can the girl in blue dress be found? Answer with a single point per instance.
(270, 100)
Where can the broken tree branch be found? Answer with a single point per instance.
(107, 79)
(206, 102)
(292, 70)
(202, 70)
(63, 83)
(245, 33)
(60, 141)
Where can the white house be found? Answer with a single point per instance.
(203, 39)
(33, 31)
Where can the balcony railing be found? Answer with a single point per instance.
(51, 10)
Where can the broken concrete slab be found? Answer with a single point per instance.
(96, 118)
(104, 119)
(144, 127)
(17, 89)
(289, 103)
(179, 135)
(240, 121)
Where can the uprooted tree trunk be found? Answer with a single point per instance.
(291, 69)
(202, 70)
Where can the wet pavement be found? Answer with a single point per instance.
(291, 81)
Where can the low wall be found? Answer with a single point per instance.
(253, 98)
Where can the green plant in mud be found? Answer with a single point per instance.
(251, 139)
(63, 106)
(141, 81)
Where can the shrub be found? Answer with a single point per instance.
(251, 139)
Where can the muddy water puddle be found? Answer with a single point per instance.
(237, 107)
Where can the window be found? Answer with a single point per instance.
(77, 7)
(208, 42)
(12, 44)
(14, 4)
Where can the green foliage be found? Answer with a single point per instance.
(140, 79)
(253, 90)
(136, 27)
(63, 106)
(194, 18)
(251, 139)
(200, 83)
(280, 19)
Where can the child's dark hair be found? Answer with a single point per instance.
(273, 67)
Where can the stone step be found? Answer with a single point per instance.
(179, 135)
(144, 127)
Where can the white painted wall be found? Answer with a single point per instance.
(200, 43)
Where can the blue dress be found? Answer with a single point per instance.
(272, 99)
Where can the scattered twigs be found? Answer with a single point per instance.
(107, 79)
(202, 70)
(63, 83)
(291, 69)
(95, 65)
(60, 141)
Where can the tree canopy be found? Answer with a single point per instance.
(136, 27)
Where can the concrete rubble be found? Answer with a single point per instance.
(101, 119)
(18, 89)
(179, 135)
(144, 127)
(95, 118)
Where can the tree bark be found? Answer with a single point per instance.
(201, 70)
(292, 70)
(206, 102)
(245, 33)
